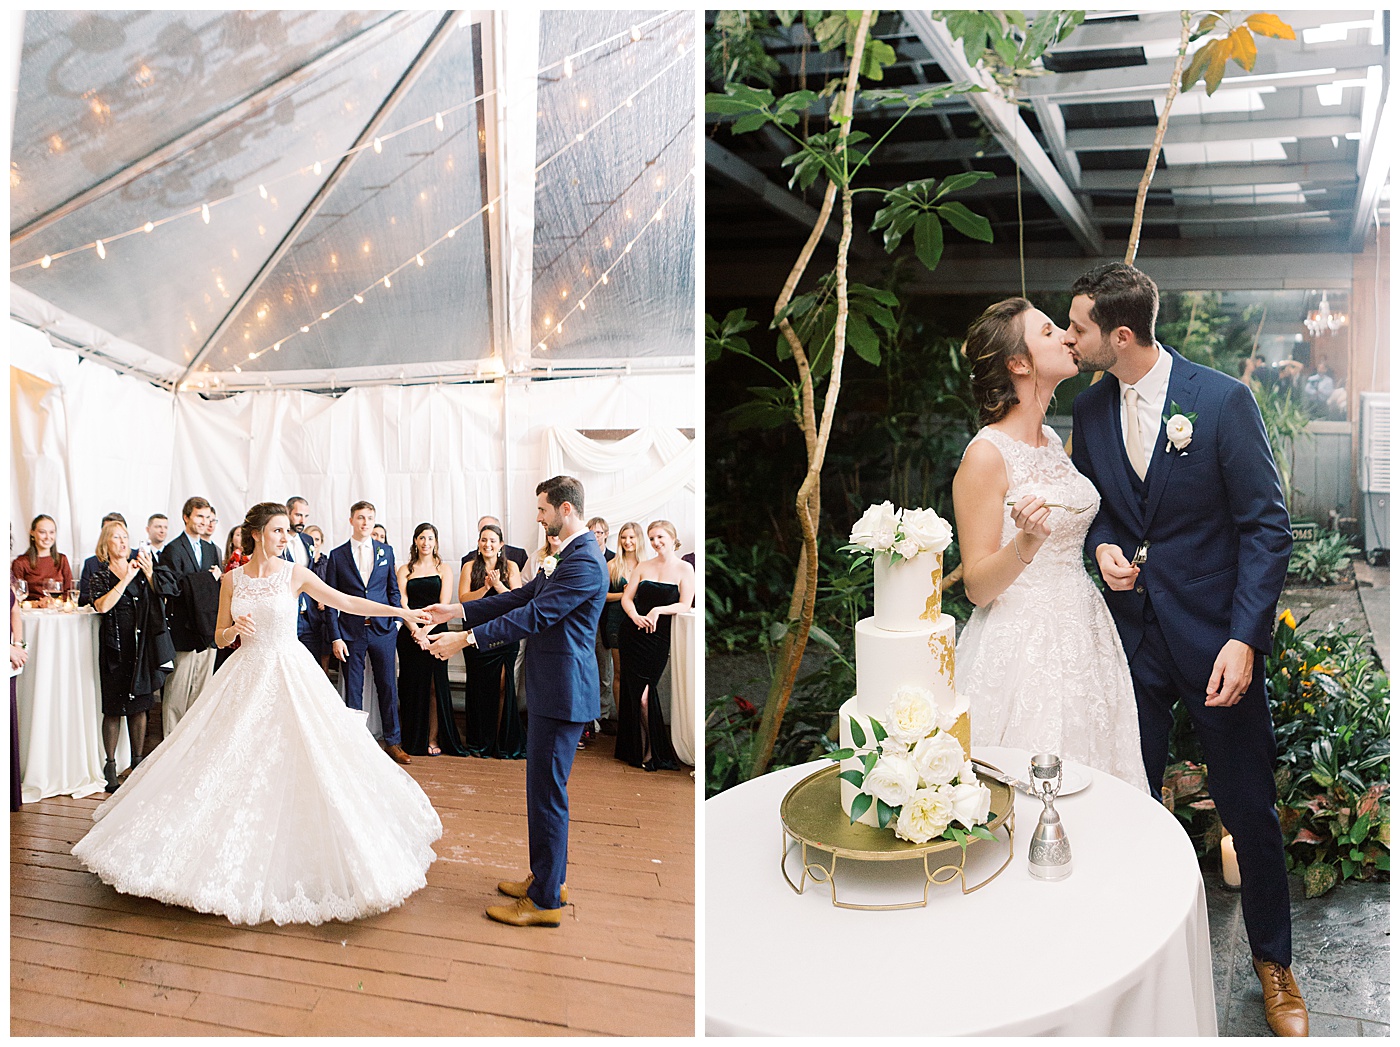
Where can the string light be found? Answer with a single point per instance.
(101, 250)
(316, 167)
(420, 261)
(46, 261)
(634, 34)
(387, 284)
(360, 299)
(569, 66)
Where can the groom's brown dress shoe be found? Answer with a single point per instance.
(524, 913)
(1284, 1008)
(521, 888)
(396, 751)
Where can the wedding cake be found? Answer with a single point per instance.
(905, 737)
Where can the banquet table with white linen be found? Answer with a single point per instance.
(1120, 948)
(60, 707)
(683, 686)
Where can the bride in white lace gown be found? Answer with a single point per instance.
(1040, 659)
(270, 800)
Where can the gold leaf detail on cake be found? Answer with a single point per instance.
(941, 647)
(962, 731)
(934, 607)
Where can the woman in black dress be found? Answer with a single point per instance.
(494, 726)
(659, 587)
(134, 646)
(620, 570)
(425, 696)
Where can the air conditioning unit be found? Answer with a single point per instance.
(1374, 472)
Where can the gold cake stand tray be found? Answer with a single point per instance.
(813, 819)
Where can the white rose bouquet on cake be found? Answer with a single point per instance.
(914, 773)
(898, 533)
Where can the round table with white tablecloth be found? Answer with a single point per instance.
(60, 707)
(1120, 948)
(682, 666)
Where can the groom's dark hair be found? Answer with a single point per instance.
(1124, 296)
(560, 489)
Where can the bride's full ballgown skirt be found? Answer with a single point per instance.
(270, 800)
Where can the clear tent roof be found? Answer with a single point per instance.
(335, 149)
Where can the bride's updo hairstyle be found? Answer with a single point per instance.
(257, 519)
(996, 338)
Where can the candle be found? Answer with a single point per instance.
(1229, 865)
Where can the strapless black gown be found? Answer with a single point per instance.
(644, 657)
(423, 679)
(495, 728)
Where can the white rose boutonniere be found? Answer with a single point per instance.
(549, 564)
(1180, 427)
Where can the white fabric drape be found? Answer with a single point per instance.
(644, 487)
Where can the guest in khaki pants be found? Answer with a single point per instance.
(188, 577)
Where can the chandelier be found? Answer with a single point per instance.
(1323, 321)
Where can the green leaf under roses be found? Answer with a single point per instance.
(870, 760)
(957, 834)
(854, 777)
(857, 735)
(983, 833)
(885, 813)
(839, 754)
(860, 805)
(878, 729)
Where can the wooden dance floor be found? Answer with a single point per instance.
(85, 960)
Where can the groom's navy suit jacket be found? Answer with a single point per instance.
(1214, 515)
(560, 616)
(342, 573)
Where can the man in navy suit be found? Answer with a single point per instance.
(1192, 539)
(558, 609)
(364, 567)
(302, 550)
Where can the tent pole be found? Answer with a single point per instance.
(430, 50)
(219, 123)
(518, 74)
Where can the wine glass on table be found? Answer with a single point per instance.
(73, 596)
(52, 588)
(21, 589)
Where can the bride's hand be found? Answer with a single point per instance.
(1032, 517)
(243, 626)
(416, 617)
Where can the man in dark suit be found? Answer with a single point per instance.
(511, 552)
(558, 609)
(302, 550)
(1190, 492)
(364, 567)
(188, 577)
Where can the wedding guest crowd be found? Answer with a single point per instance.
(159, 603)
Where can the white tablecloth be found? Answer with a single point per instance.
(1120, 948)
(683, 686)
(60, 708)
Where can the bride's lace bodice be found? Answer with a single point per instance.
(1046, 472)
(271, 604)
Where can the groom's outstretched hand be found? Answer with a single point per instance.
(440, 613)
(445, 645)
(1234, 669)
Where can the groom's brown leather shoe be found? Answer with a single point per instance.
(524, 913)
(521, 888)
(396, 751)
(1284, 1008)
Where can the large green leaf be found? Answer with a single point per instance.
(854, 777)
(860, 805)
(857, 733)
(884, 812)
(749, 122)
(966, 222)
(953, 183)
(928, 240)
(862, 338)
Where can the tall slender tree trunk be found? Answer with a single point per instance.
(808, 504)
(1173, 88)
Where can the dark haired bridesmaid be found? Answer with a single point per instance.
(425, 695)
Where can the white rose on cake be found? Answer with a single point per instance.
(907, 548)
(969, 773)
(863, 533)
(928, 529)
(925, 816)
(971, 803)
(893, 779)
(910, 715)
(939, 759)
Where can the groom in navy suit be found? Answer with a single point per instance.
(364, 567)
(559, 611)
(1192, 539)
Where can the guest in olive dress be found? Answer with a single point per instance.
(659, 588)
(425, 695)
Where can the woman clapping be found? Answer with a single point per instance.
(494, 727)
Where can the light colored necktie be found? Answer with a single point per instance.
(1133, 434)
(363, 557)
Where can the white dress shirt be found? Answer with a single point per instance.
(298, 548)
(1152, 403)
(364, 557)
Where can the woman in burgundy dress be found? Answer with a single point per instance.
(42, 568)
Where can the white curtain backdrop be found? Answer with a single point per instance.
(86, 440)
(635, 487)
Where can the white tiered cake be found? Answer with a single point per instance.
(907, 645)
